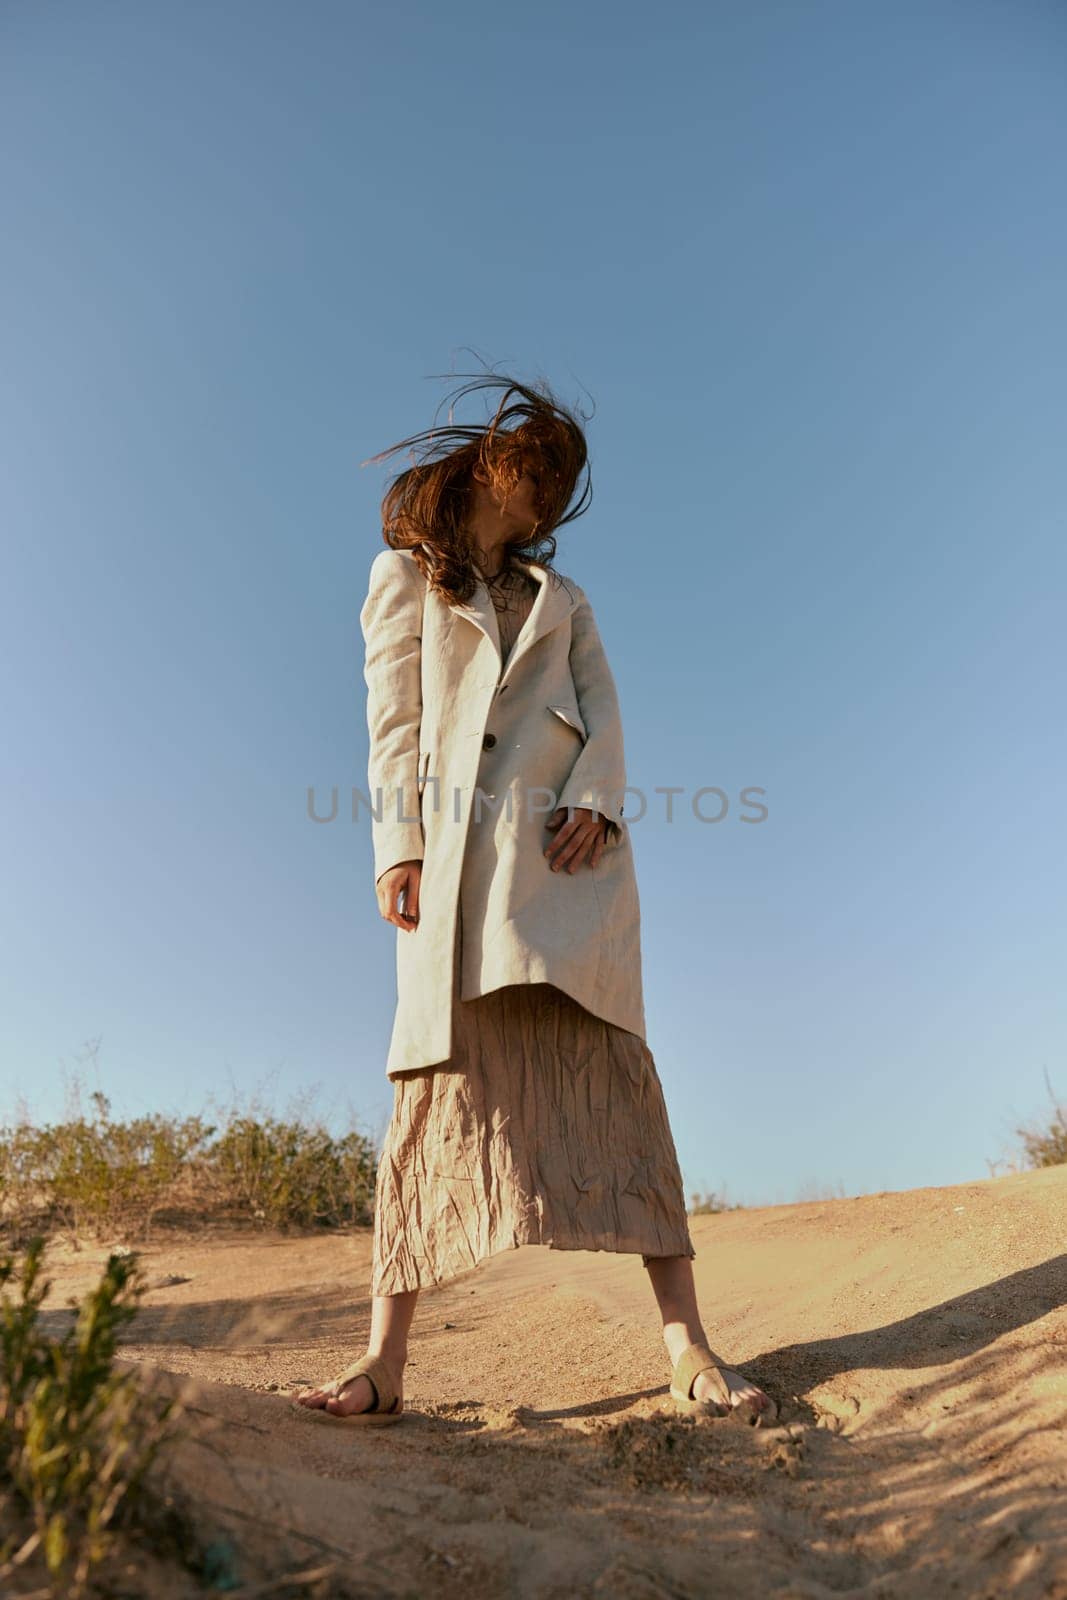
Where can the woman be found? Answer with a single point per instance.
(527, 1105)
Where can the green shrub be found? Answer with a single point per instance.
(109, 1174)
(289, 1172)
(76, 1437)
(96, 1176)
(1046, 1146)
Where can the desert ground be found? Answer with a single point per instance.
(916, 1342)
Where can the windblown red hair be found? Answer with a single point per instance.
(425, 506)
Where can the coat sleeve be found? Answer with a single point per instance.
(597, 780)
(391, 621)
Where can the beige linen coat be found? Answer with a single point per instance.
(452, 736)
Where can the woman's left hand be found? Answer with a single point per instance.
(580, 839)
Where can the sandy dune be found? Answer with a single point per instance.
(917, 1342)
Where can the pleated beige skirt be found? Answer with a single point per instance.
(546, 1126)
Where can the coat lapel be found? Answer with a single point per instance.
(553, 602)
(481, 611)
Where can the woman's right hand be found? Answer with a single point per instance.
(403, 879)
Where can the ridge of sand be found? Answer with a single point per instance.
(916, 1340)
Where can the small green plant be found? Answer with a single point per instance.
(77, 1437)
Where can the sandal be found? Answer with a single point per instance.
(697, 1359)
(387, 1407)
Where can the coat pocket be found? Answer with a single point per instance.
(573, 718)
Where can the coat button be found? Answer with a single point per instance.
(489, 741)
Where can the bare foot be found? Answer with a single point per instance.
(358, 1394)
(728, 1391)
(743, 1392)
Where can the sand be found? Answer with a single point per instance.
(916, 1341)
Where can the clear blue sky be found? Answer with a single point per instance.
(808, 261)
